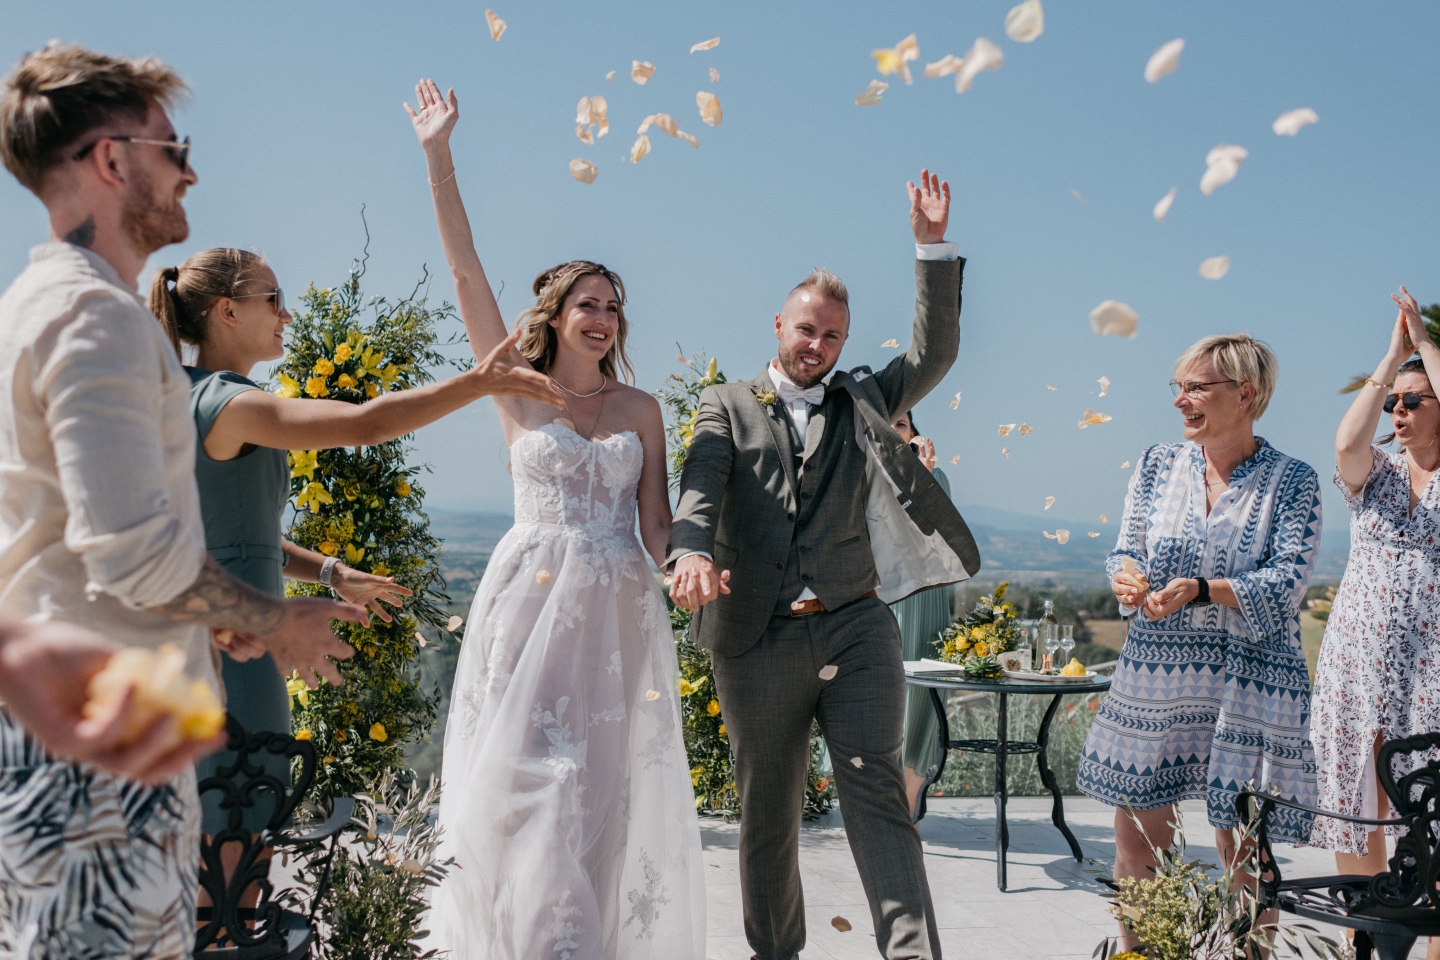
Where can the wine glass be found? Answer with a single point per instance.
(1067, 640)
(1052, 642)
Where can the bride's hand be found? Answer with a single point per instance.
(436, 117)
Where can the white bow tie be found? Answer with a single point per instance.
(790, 393)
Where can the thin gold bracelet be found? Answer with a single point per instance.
(445, 181)
(1373, 383)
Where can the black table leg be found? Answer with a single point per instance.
(932, 776)
(1002, 829)
(1057, 812)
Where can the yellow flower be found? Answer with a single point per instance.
(323, 367)
(695, 773)
(329, 547)
(977, 632)
(403, 488)
(312, 495)
(686, 687)
(380, 570)
(371, 390)
(315, 386)
(302, 463)
(369, 363)
(289, 387)
(389, 375)
(354, 338)
(713, 708)
(353, 554)
(712, 368)
(766, 399)
(723, 734)
(345, 380)
(302, 734)
(377, 732)
(982, 650)
(328, 760)
(340, 735)
(342, 353)
(296, 688)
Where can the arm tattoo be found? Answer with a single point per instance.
(83, 235)
(217, 598)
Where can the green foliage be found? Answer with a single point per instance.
(1432, 326)
(680, 395)
(377, 894)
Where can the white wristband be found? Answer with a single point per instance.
(327, 570)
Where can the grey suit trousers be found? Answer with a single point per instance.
(770, 694)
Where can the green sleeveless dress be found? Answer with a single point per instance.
(242, 502)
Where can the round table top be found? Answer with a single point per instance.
(1006, 684)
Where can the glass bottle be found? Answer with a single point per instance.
(1051, 628)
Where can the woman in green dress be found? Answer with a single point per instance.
(921, 617)
(228, 304)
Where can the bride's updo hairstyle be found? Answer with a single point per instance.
(538, 339)
(181, 296)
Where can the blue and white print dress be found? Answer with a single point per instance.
(1211, 699)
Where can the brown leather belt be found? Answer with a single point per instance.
(803, 608)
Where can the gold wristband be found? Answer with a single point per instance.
(1379, 386)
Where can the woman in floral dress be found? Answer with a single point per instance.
(1379, 671)
(1211, 693)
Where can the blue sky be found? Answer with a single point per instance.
(297, 122)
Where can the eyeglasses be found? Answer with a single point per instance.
(1411, 400)
(1194, 388)
(179, 150)
(277, 296)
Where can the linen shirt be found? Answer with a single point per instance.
(99, 513)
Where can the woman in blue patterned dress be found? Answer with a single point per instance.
(1212, 692)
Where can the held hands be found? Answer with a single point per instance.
(1171, 597)
(436, 117)
(504, 372)
(929, 208)
(304, 642)
(368, 591)
(696, 582)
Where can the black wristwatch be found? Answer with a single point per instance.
(1204, 595)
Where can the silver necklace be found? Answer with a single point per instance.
(572, 393)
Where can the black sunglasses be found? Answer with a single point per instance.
(1411, 400)
(178, 150)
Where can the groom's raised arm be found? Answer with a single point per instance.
(703, 480)
(939, 272)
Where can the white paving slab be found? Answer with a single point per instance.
(1053, 909)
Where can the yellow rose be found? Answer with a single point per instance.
(403, 488)
(377, 733)
(289, 387)
(346, 381)
(977, 632)
(982, 650)
(302, 734)
(713, 708)
(723, 734)
(323, 367)
(315, 386)
(342, 353)
(302, 463)
(329, 547)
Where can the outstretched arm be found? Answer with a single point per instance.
(1354, 441)
(479, 311)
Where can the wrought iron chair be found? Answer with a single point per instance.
(1389, 910)
(265, 931)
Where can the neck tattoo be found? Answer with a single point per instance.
(83, 235)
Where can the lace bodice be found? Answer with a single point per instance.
(587, 485)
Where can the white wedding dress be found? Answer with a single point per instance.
(567, 801)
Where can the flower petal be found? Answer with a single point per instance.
(1213, 268)
(1164, 60)
(889, 344)
(714, 75)
(1288, 124)
(983, 55)
(497, 26)
(1049, 502)
(1025, 22)
(955, 404)
(945, 66)
(829, 671)
(1006, 428)
(706, 45)
(871, 96)
(641, 71)
(583, 170)
(1104, 385)
(640, 148)
(1114, 319)
(709, 105)
(1163, 207)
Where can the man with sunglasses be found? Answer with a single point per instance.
(100, 523)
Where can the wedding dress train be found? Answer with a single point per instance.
(567, 800)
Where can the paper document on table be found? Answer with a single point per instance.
(931, 666)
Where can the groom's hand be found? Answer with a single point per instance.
(929, 208)
(695, 581)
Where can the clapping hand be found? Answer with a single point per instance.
(929, 208)
(1414, 321)
(437, 114)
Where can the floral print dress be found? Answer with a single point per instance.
(1379, 669)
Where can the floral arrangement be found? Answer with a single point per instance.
(707, 745)
(974, 640)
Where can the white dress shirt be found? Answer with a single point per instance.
(99, 512)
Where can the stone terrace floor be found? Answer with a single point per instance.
(1053, 909)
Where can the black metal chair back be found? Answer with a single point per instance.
(1410, 883)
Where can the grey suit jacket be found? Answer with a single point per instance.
(851, 511)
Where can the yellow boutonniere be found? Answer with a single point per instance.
(766, 399)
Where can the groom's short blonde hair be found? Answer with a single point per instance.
(826, 284)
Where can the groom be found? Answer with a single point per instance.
(802, 489)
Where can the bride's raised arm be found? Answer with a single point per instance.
(433, 123)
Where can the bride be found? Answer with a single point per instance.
(567, 801)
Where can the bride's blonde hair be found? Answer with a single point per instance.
(538, 339)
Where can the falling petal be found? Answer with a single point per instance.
(1104, 519)
(1213, 268)
(1163, 207)
(542, 577)
(1225, 151)
(1049, 502)
(1221, 165)
(828, 671)
(1025, 430)
(590, 112)
(1091, 418)
(641, 71)
(858, 764)
(955, 404)
(1125, 465)
(709, 105)
(610, 76)
(840, 923)
(1091, 533)
(652, 695)
(1025, 22)
(955, 459)
(1047, 534)
(871, 96)
(584, 134)
(1164, 60)
(420, 638)
(714, 75)
(897, 59)
(497, 26)
(706, 45)
(1048, 387)
(694, 142)
(1005, 450)
(1289, 124)
(454, 623)
(583, 170)
(1062, 535)
(984, 55)
(945, 66)
(1114, 319)
(640, 148)
(1005, 429)
(1078, 196)
(1104, 385)
(889, 343)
